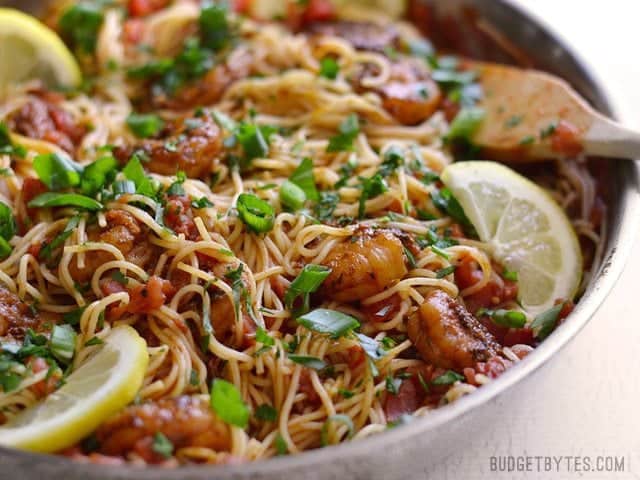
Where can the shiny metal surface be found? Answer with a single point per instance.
(403, 451)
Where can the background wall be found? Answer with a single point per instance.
(587, 401)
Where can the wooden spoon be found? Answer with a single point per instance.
(531, 115)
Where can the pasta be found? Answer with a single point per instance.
(252, 180)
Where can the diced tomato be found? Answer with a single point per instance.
(456, 231)
(384, 310)
(143, 298)
(468, 273)
(494, 367)
(305, 386)
(140, 8)
(179, 217)
(31, 188)
(355, 357)
(406, 401)
(319, 11)
(566, 139)
(132, 30)
(46, 386)
(34, 249)
(149, 297)
(242, 6)
(517, 336)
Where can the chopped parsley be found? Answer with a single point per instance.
(348, 131)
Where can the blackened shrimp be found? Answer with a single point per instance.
(364, 266)
(191, 145)
(16, 317)
(42, 119)
(411, 95)
(123, 232)
(448, 336)
(361, 35)
(185, 421)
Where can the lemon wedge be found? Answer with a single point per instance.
(104, 384)
(29, 50)
(525, 228)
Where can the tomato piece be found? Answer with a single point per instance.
(319, 11)
(565, 139)
(140, 8)
(406, 401)
(179, 216)
(241, 6)
(384, 310)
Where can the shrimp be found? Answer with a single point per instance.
(364, 266)
(16, 317)
(448, 336)
(361, 35)
(411, 95)
(43, 119)
(124, 233)
(190, 146)
(210, 88)
(186, 421)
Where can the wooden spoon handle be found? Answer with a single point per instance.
(610, 139)
(531, 115)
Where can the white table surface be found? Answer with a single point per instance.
(586, 402)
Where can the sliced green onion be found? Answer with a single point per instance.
(122, 187)
(338, 418)
(308, 281)
(266, 413)
(133, 171)
(81, 23)
(214, 26)
(5, 248)
(227, 403)
(144, 125)
(202, 202)
(292, 196)
(264, 338)
(510, 275)
(303, 178)
(308, 361)
(257, 214)
(349, 129)
(371, 347)
(505, 318)
(8, 224)
(54, 199)
(329, 68)
(97, 174)
(371, 188)
(162, 445)
(332, 322)
(63, 342)
(448, 378)
(57, 171)
(281, 445)
(59, 239)
(392, 385)
(466, 123)
(546, 321)
(443, 272)
(254, 139)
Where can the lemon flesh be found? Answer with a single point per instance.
(525, 228)
(30, 50)
(101, 386)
